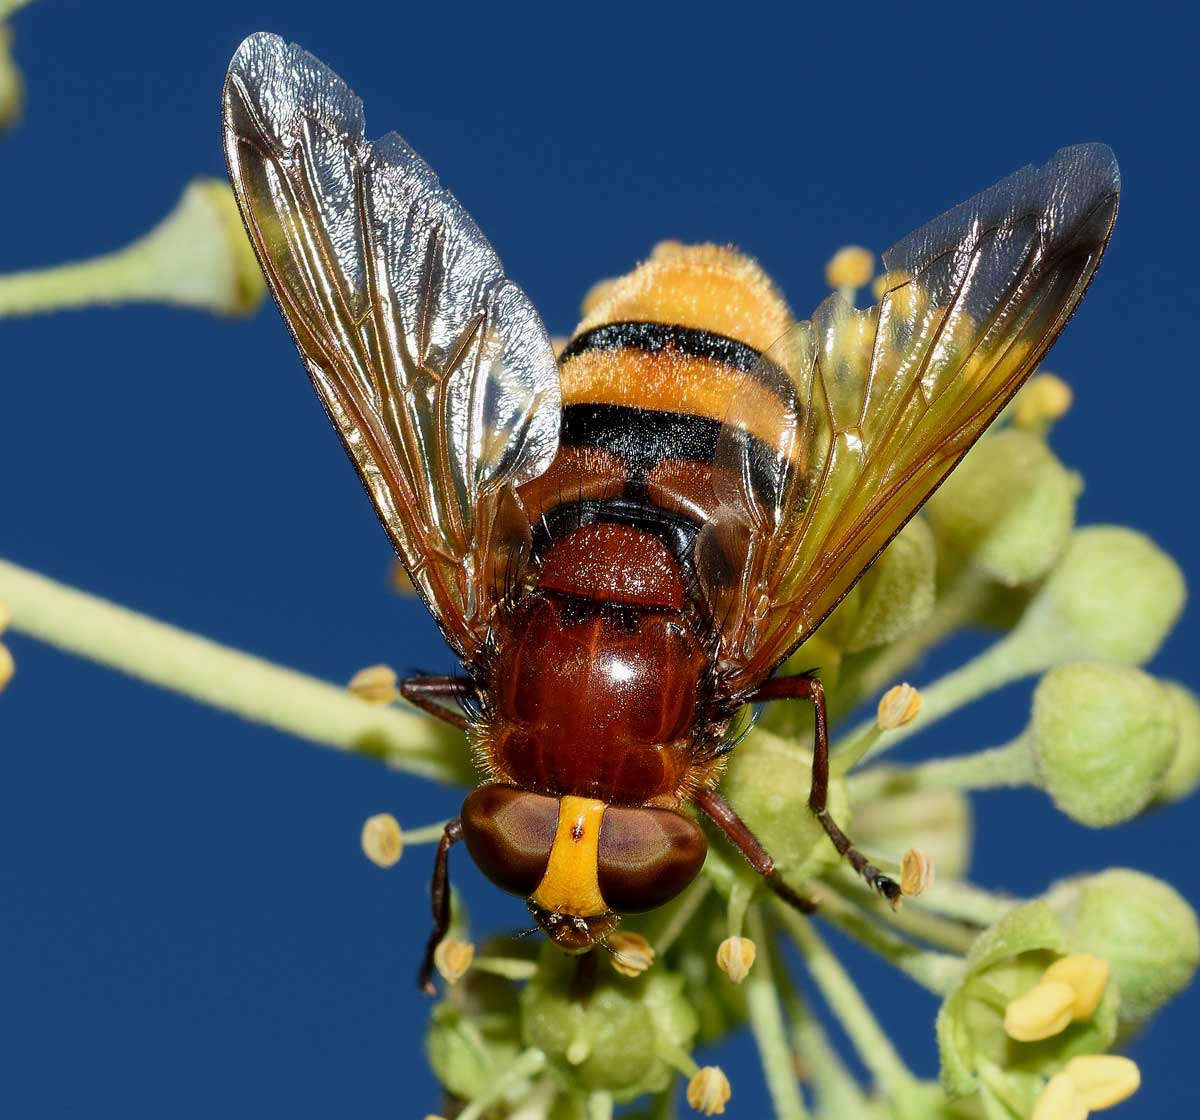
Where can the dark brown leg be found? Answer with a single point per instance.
(722, 815)
(811, 689)
(440, 895)
(583, 983)
(428, 692)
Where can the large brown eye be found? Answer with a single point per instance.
(647, 856)
(508, 833)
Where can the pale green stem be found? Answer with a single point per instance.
(428, 834)
(1004, 767)
(526, 1065)
(837, 1093)
(766, 1022)
(681, 915)
(511, 968)
(956, 898)
(955, 606)
(101, 280)
(739, 901)
(848, 754)
(1007, 660)
(936, 971)
(874, 1047)
(248, 686)
(922, 926)
(676, 1057)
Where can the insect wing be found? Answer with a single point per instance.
(854, 418)
(434, 368)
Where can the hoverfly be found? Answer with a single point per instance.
(623, 544)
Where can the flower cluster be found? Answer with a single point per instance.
(1036, 994)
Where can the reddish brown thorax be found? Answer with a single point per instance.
(599, 681)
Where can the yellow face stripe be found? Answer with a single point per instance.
(570, 884)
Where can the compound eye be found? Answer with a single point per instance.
(509, 833)
(646, 857)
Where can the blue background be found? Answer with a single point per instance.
(188, 927)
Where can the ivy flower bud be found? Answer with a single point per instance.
(622, 1039)
(1103, 1080)
(1008, 509)
(898, 706)
(452, 958)
(1144, 929)
(1103, 738)
(376, 684)
(382, 840)
(850, 267)
(1183, 775)
(1044, 399)
(708, 1092)
(895, 596)
(1059, 1100)
(935, 822)
(735, 957)
(1113, 597)
(631, 953)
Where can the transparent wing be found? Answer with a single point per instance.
(854, 418)
(434, 368)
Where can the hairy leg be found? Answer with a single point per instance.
(440, 896)
(811, 689)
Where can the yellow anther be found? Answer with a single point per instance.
(452, 959)
(735, 957)
(1046, 398)
(916, 873)
(1042, 1012)
(631, 953)
(375, 684)
(382, 839)
(7, 667)
(1103, 1080)
(1059, 1100)
(1087, 976)
(851, 267)
(898, 706)
(708, 1092)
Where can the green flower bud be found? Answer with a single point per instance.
(615, 1040)
(1008, 508)
(474, 1036)
(936, 822)
(1005, 963)
(768, 782)
(1103, 738)
(1183, 775)
(895, 596)
(1114, 597)
(1145, 930)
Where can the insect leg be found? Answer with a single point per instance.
(440, 894)
(721, 813)
(811, 689)
(427, 693)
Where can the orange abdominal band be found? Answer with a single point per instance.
(570, 884)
